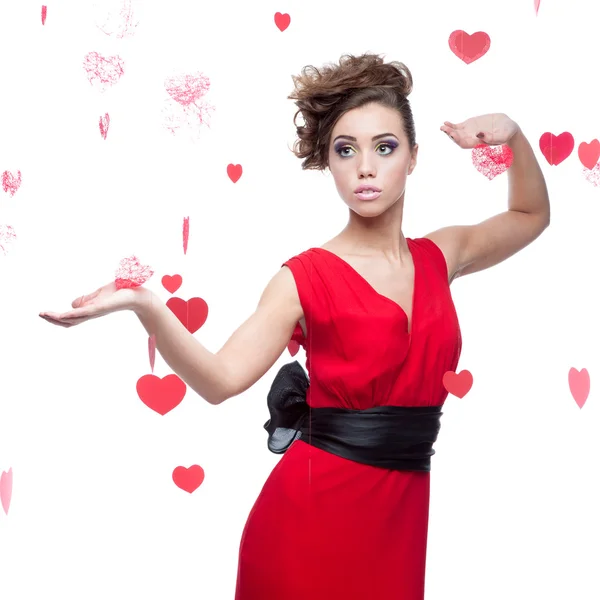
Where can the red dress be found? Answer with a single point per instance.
(325, 527)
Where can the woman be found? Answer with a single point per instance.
(344, 514)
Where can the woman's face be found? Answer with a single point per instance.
(369, 147)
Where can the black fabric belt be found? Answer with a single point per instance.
(390, 437)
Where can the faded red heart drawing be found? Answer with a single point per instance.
(103, 71)
(491, 161)
(104, 125)
(11, 182)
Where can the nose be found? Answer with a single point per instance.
(366, 167)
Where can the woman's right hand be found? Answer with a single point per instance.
(103, 301)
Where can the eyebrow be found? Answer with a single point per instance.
(375, 137)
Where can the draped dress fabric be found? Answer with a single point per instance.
(326, 527)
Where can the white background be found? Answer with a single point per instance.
(94, 511)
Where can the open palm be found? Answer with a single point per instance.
(103, 301)
(493, 129)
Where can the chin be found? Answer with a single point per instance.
(368, 209)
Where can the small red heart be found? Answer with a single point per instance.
(589, 153)
(161, 395)
(579, 384)
(491, 161)
(189, 479)
(171, 283)
(282, 21)
(10, 182)
(556, 148)
(234, 172)
(458, 384)
(44, 13)
(192, 314)
(469, 47)
(293, 347)
(104, 125)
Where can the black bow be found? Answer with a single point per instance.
(287, 406)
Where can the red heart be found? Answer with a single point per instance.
(282, 21)
(458, 384)
(44, 13)
(234, 172)
(161, 395)
(190, 479)
(171, 283)
(589, 153)
(293, 347)
(10, 182)
(492, 160)
(104, 124)
(192, 314)
(556, 148)
(469, 47)
(579, 384)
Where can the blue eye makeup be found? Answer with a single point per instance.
(340, 148)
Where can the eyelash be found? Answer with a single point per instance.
(390, 145)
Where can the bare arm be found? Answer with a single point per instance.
(473, 248)
(246, 356)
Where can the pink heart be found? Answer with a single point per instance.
(6, 482)
(458, 384)
(131, 273)
(536, 5)
(104, 125)
(234, 172)
(491, 161)
(579, 384)
(11, 182)
(282, 21)
(189, 479)
(187, 89)
(556, 148)
(469, 48)
(103, 71)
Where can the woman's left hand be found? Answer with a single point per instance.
(493, 129)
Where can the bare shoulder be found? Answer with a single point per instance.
(282, 289)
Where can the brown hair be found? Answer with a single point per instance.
(323, 96)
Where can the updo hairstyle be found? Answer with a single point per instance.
(324, 95)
